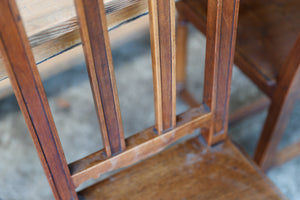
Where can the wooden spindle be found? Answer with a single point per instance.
(162, 32)
(23, 74)
(220, 44)
(95, 39)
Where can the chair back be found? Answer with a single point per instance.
(119, 152)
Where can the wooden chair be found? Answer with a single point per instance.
(267, 51)
(190, 170)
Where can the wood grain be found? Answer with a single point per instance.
(259, 53)
(74, 56)
(162, 33)
(98, 56)
(184, 171)
(283, 100)
(139, 147)
(27, 85)
(218, 172)
(267, 31)
(220, 44)
(52, 26)
(189, 171)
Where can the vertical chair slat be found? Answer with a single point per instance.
(27, 85)
(94, 34)
(162, 31)
(220, 44)
(181, 52)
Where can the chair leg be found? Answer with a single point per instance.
(181, 51)
(283, 100)
(275, 124)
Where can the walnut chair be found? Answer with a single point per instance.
(190, 170)
(267, 51)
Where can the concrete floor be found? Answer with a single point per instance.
(21, 174)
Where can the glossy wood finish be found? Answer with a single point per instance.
(52, 26)
(188, 171)
(29, 91)
(266, 33)
(98, 56)
(162, 32)
(220, 44)
(197, 168)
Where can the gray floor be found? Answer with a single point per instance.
(21, 174)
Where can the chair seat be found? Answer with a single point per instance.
(189, 170)
(266, 33)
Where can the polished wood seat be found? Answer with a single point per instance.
(189, 170)
(267, 51)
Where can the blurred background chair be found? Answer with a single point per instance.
(267, 51)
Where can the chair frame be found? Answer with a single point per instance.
(211, 115)
(282, 94)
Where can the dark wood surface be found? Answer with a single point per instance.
(267, 32)
(94, 34)
(285, 95)
(220, 46)
(189, 171)
(29, 91)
